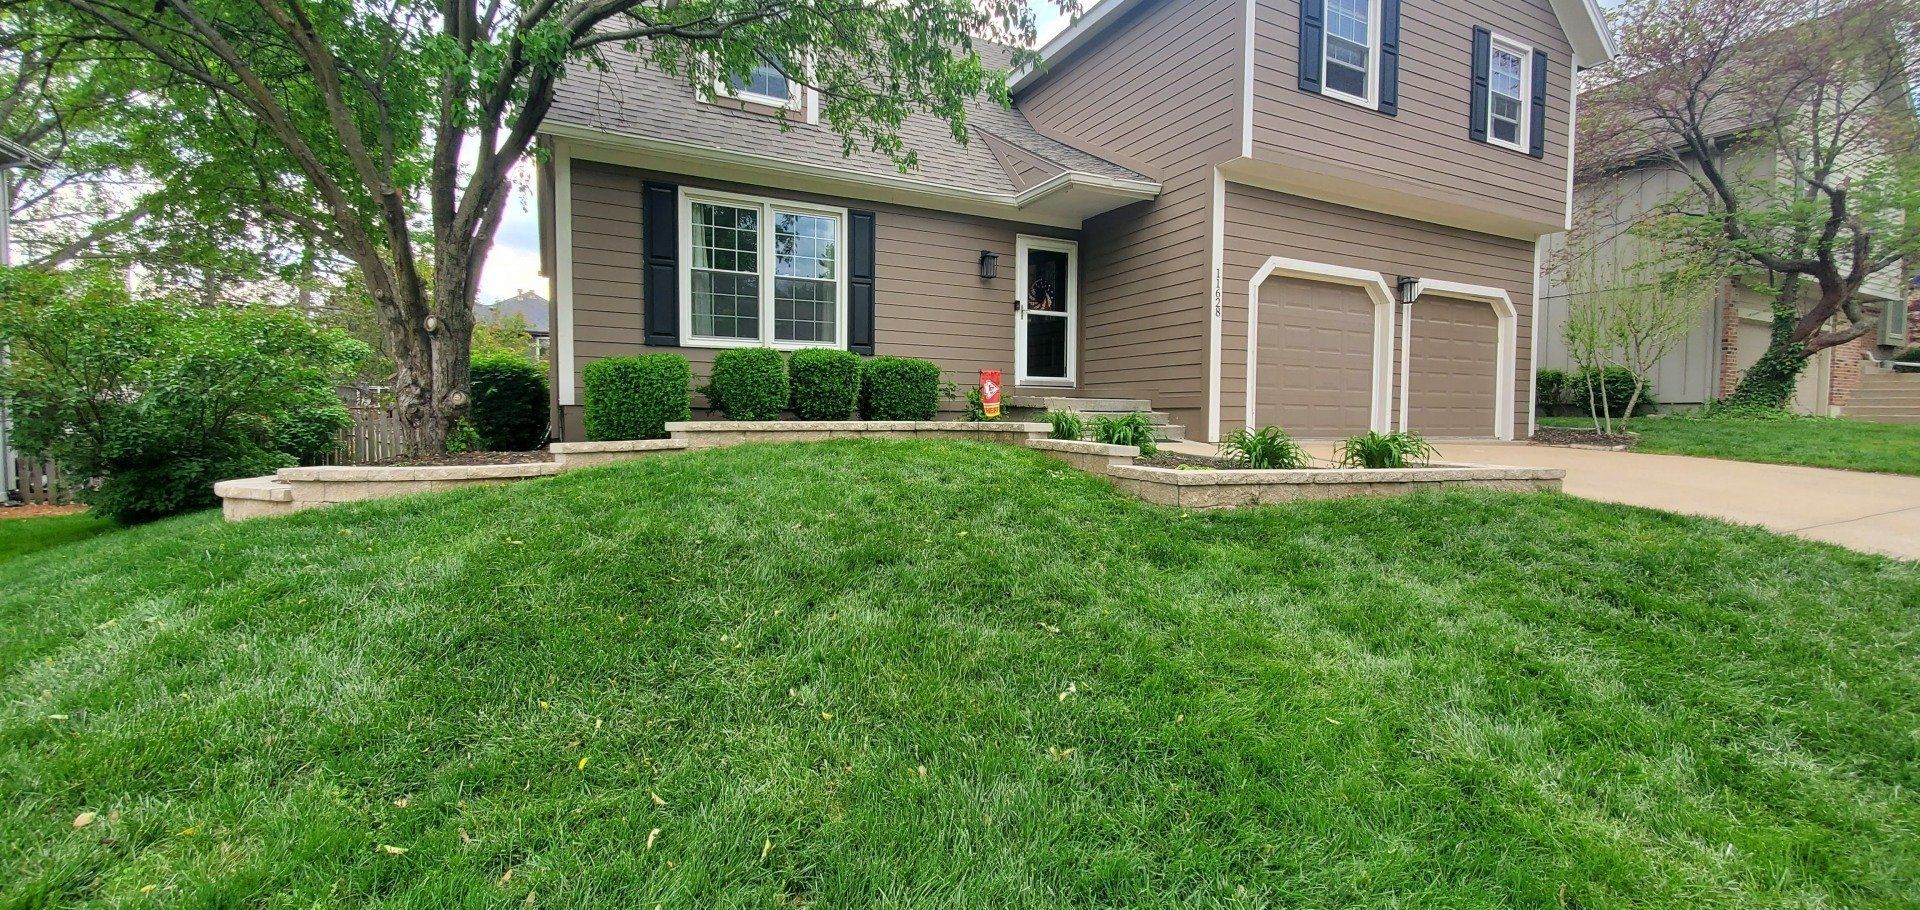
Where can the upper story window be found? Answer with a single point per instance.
(1352, 39)
(1350, 51)
(762, 272)
(765, 83)
(1507, 94)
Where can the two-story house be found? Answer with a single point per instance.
(1322, 214)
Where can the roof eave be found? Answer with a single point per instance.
(1062, 200)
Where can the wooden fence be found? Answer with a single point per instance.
(374, 436)
(39, 481)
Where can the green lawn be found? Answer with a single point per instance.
(932, 675)
(20, 536)
(1817, 441)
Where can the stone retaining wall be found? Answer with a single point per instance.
(293, 489)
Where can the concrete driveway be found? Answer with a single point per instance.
(1875, 513)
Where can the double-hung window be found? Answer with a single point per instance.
(762, 272)
(1508, 78)
(1351, 47)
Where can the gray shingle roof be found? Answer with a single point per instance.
(633, 99)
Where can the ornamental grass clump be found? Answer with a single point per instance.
(1066, 425)
(1385, 450)
(1131, 430)
(1266, 449)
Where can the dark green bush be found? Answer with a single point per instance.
(1615, 383)
(900, 388)
(636, 397)
(1131, 430)
(510, 403)
(149, 402)
(1550, 387)
(826, 384)
(748, 384)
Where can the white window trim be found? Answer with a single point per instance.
(1022, 244)
(803, 101)
(1525, 126)
(1371, 100)
(766, 268)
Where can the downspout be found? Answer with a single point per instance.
(8, 482)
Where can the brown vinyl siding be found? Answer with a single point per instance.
(1425, 148)
(1261, 223)
(929, 299)
(1159, 93)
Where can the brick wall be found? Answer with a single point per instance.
(1729, 341)
(1845, 375)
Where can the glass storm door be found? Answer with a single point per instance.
(1048, 310)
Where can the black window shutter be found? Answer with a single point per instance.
(1537, 131)
(1477, 109)
(1389, 57)
(660, 248)
(860, 282)
(1312, 42)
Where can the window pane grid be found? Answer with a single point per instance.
(764, 80)
(1349, 46)
(729, 278)
(1505, 103)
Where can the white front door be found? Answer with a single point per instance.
(1046, 324)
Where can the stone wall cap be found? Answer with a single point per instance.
(618, 445)
(356, 474)
(1084, 447)
(264, 489)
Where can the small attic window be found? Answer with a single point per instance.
(764, 84)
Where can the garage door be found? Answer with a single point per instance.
(1453, 351)
(1315, 373)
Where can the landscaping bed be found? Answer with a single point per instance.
(1582, 437)
(873, 673)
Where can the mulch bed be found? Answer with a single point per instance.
(1568, 436)
(38, 510)
(462, 460)
(1177, 460)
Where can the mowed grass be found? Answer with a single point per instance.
(1821, 442)
(947, 675)
(20, 536)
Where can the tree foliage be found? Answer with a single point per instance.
(1792, 124)
(386, 131)
(153, 400)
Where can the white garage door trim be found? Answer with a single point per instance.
(1376, 286)
(1509, 322)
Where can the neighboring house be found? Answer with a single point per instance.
(1735, 316)
(1323, 214)
(534, 311)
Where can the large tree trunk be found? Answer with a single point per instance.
(432, 394)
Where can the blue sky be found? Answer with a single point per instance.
(514, 264)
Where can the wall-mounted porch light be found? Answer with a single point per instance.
(1409, 288)
(989, 264)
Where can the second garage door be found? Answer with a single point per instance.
(1453, 350)
(1315, 369)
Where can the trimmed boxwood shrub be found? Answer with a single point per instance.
(510, 403)
(1550, 387)
(635, 397)
(900, 388)
(749, 383)
(826, 383)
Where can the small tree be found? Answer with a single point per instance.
(388, 131)
(1629, 307)
(1791, 123)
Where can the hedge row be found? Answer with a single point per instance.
(635, 397)
(1583, 390)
